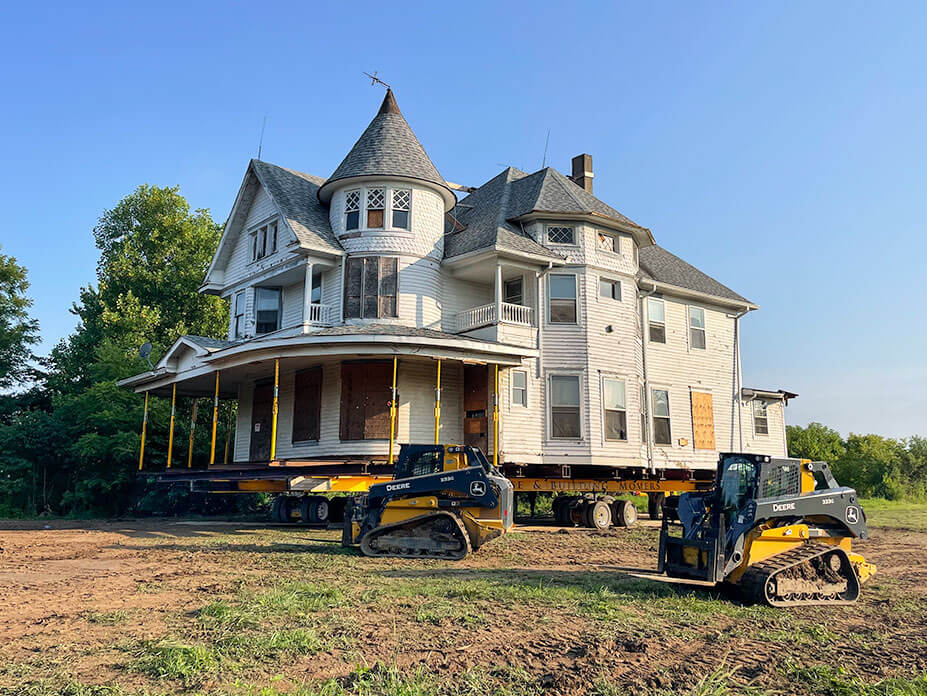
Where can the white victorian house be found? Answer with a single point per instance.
(610, 350)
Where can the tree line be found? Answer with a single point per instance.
(69, 437)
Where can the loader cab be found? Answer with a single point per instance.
(421, 460)
(737, 478)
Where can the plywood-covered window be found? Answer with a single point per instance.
(697, 328)
(703, 421)
(366, 389)
(656, 316)
(561, 304)
(352, 210)
(615, 410)
(760, 417)
(376, 205)
(307, 404)
(662, 433)
(371, 287)
(564, 407)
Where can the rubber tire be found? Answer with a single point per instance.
(304, 509)
(625, 513)
(275, 506)
(576, 516)
(556, 506)
(655, 505)
(599, 515)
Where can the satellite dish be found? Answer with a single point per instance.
(144, 352)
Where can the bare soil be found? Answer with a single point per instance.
(542, 610)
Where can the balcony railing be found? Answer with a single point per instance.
(320, 315)
(485, 315)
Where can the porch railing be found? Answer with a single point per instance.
(475, 317)
(320, 315)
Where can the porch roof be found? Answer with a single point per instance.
(241, 360)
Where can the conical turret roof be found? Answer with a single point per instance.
(388, 148)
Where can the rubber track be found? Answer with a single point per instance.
(753, 583)
(417, 553)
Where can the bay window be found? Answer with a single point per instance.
(371, 287)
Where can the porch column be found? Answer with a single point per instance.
(438, 405)
(498, 291)
(192, 431)
(141, 453)
(307, 295)
(170, 435)
(215, 420)
(273, 422)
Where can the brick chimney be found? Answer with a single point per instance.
(582, 171)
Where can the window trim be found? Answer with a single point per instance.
(238, 331)
(392, 192)
(651, 322)
(704, 328)
(279, 310)
(765, 417)
(654, 416)
(616, 242)
(367, 208)
(547, 229)
(627, 430)
(575, 321)
(254, 233)
(513, 402)
(550, 405)
(615, 283)
(359, 211)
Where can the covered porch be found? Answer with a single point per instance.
(330, 397)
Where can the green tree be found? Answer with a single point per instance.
(18, 332)
(869, 461)
(816, 442)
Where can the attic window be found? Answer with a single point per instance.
(264, 241)
(560, 235)
(352, 210)
(607, 242)
(402, 204)
(376, 201)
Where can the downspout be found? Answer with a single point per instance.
(537, 301)
(644, 406)
(738, 386)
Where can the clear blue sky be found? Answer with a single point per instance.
(778, 146)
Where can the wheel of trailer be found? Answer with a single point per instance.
(598, 515)
(275, 506)
(576, 512)
(625, 513)
(655, 505)
(282, 509)
(556, 506)
(317, 510)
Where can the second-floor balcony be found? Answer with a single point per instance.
(485, 315)
(320, 315)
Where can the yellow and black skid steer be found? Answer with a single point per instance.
(444, 501)
(768, 529)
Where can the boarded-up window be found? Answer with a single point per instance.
(365, 394)
(307, 404)
(703, 421)
(371, 287)
(376, 203)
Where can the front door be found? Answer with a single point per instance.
(476, 399)
(262, 408)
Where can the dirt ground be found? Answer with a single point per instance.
(161, 606)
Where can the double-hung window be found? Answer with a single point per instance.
(266, 309)
(376, 205)
(697, 328)
(656, 316)
(662, 434)
(615, 411)
(564, 407)
(519, 388)
(402, 205)
(512, 291)
(352, 210)
(561, 235)
(371, 288)
(561, 305)
(238, 329)
(610, 289)
(760, 418)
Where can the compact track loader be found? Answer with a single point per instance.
(443, 502)
(767, 529)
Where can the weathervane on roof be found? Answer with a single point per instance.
(374, 80)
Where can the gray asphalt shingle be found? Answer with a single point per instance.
(660, 265)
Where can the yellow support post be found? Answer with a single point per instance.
(273, 427)
(192, 430)
(392, 413)
(141, 453)
(438, 405)
(215, 420)
(170, 436)
(495, 418)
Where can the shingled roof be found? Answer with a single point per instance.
(662, 266)
(296, 194)
(387, 148)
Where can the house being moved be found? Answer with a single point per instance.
(528, 295)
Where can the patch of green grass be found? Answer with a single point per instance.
(716, 683)
(187, 663)
(895, 513)
(106, 618)
(439, 612)
(837, 681)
